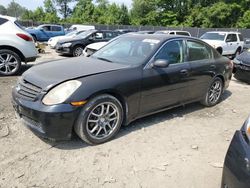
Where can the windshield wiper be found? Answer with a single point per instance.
(104, 59)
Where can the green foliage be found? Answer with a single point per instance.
(192, 13)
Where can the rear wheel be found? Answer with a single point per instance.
(100, 120)
(77, 51)
(214, 92)
(219, 50)
(10, 62)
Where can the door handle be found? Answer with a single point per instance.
(184, 71)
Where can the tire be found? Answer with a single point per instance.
(96, 125)
(215, 90)
(10, 63)
(77, 51)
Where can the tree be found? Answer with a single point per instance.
(15, 10)
(3, 10)
(64, 8)
(50, 12)
(49, 6)
(244, 22)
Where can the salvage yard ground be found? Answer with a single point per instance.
(182, 147)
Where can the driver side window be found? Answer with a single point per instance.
(172, 51)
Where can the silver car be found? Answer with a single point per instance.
(16, 46)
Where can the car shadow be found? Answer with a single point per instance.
(77, 143)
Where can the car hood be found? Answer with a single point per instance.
(213, 43)
(49, 74)
(72, 39)
(97, 45)
(244, 57)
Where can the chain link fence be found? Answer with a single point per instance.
(195, 32)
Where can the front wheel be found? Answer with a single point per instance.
(10, 62)
(77, 51)
(100, 120)
(214, 92)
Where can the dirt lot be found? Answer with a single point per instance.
(183, 147)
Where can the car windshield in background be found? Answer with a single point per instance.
(213, 36)
(83, 34)
(128, 50)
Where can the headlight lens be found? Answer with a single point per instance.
(68, 44)
(61, 92)
(247, 128)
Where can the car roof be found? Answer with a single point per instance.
(161, 37)
(225, 32)
(12, 19)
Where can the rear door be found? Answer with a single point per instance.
(203, 66)
(163, 87)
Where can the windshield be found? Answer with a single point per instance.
(127, 50)
(84, 34)
(214, 36)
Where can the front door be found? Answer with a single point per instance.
(163, 87)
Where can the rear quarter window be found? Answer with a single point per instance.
(241, 37)
(2, 21)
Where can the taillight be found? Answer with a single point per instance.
(25, 37)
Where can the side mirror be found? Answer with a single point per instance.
(160, 63)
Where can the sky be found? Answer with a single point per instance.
(32, 4)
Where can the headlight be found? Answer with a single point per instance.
(247, 128)
(61, 92)
(66, 44)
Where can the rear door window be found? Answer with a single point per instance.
(3, 20)
(198, 51)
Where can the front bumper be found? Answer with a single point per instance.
(242, 72)
(52, 122)
(63, 50)
(236, 171)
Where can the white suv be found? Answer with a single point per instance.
(16, 46)
(226, 43)
(173, 32)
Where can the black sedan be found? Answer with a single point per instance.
(75, 46)
(242, 67)
(132, 76)
(236, 171)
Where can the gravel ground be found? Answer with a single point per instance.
(182, 147)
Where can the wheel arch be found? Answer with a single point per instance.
(18, 52)
(222, 78)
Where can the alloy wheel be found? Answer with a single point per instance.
(103, 120)
(78, 51)
(215, 92)
(8, 63)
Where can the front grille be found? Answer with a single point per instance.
(28, 90)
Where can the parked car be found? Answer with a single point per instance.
(46, 31)
(226, 43)
(76, 45)
(54, 40)
(79, 27)
(145, 32)
(236, 170)
(242, 67)
(92, 48)
(130, 77)
(173, 32)
(246, 44)
(16, 46)
(124, 31)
